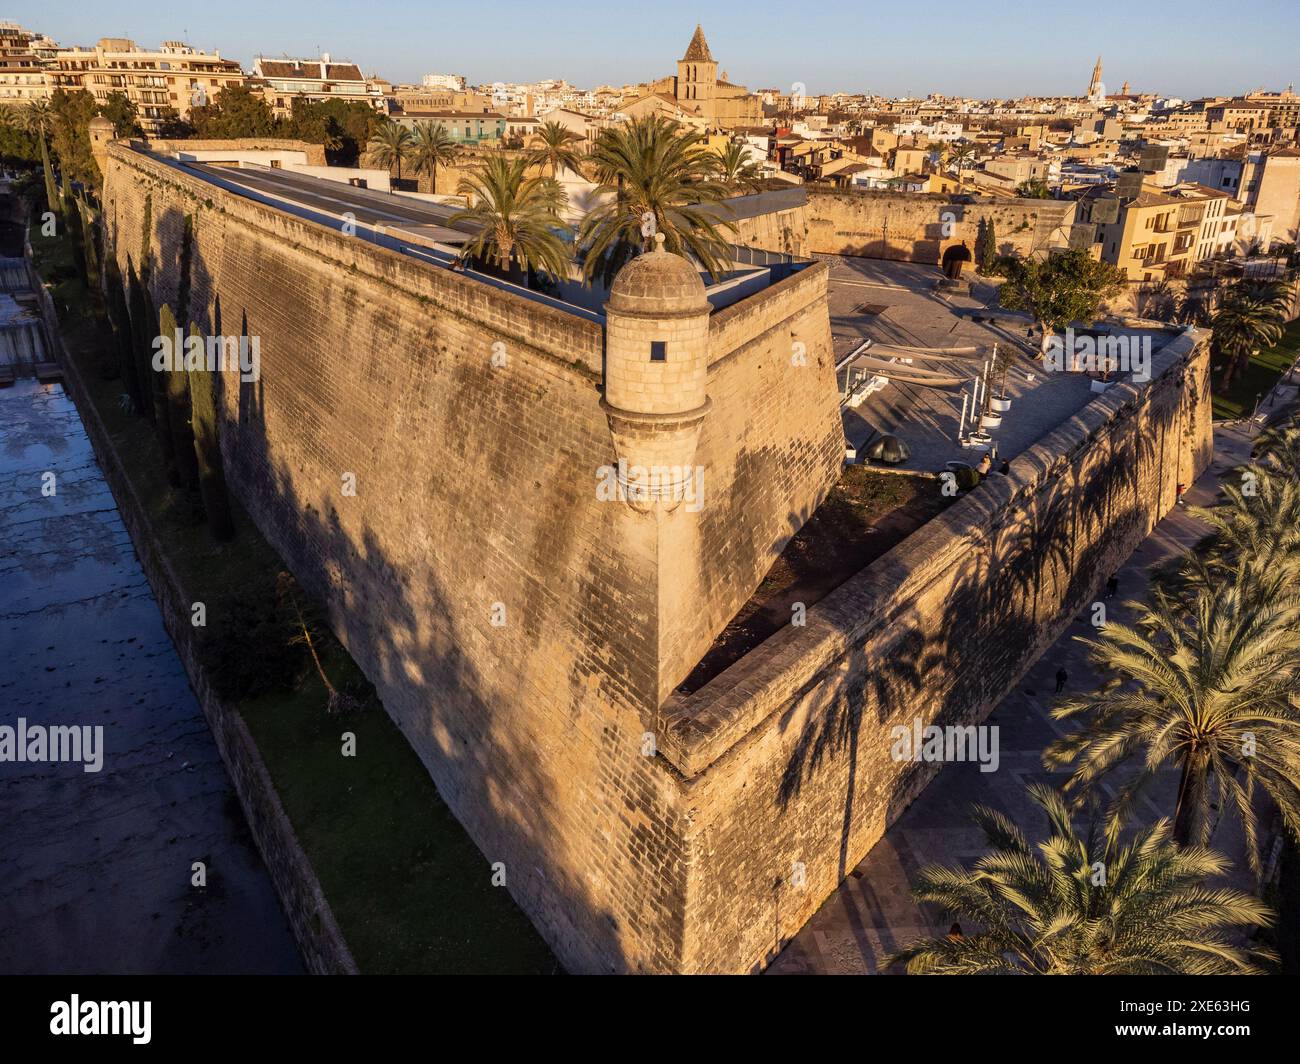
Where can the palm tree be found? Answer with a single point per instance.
(37, 117)
(1035, 188)
(1212, 686)
(1246, 320)
(736, 170)
(556, 147)
(1256, 529)
(655, 178)
(389, 146)
(432, 144)
(961, 154)
(1278, 449)
(1082, 904)
(517, 217)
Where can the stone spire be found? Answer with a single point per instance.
(698, 50)
(1094, 86)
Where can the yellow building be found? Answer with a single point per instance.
(168, 81)
(1160, 233)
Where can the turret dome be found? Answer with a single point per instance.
(658, 283)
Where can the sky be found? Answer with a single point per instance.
(1188, 48)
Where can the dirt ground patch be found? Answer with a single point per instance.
(865, 514)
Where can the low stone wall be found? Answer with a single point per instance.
(315, 152)
(323, 948)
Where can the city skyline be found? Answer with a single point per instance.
(570, 45)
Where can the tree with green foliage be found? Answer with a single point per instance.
(1085, 904)
(207, 449)
(237, 111)
(1035, 188)
(655, 178)
(1059, 290)
(52, 201)
(37, 120)
(72, 223)
(390, 146)
(1211, 685)
(141, 339)
(431, 145)
(343, 127)
(119, 320)
(1247, 319)
(119, 110)
(736, 170)
(961, 154)
(70, 114)
(17, 143)
(555, 147)
(177, 387)
(517, 219)
(986, 245)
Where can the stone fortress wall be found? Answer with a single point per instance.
(476, 501)
(640, 830)
(920, 227)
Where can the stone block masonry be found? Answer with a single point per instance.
(527, 636)
(920, 227)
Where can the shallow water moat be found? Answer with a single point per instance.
(96, 866)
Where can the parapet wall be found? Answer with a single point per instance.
(919, 227)
(315, 152)
(786, 755)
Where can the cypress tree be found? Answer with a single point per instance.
(166, 326)
(72, 221)
(178, 413)
(207, 450)
(51, 190)
(119, 320)
(986, 245)
(141, 341)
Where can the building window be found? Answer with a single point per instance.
(658, 351)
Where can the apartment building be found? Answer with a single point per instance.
(1160, 233)
(282, 81)
(161, 83)
(22, 70)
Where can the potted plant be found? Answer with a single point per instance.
(999, 401)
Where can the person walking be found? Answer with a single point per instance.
(1112, 586)
(1062, 677)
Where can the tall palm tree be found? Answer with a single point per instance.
(431, 145)
(555, 147)
(736, 170)
(1211, 686)
(655, 178)
(1082, 904)
(517, 218)
(37, 118)
(961, 154)
(1245, 321)
(390, 145)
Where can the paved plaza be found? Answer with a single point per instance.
(897, 306)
